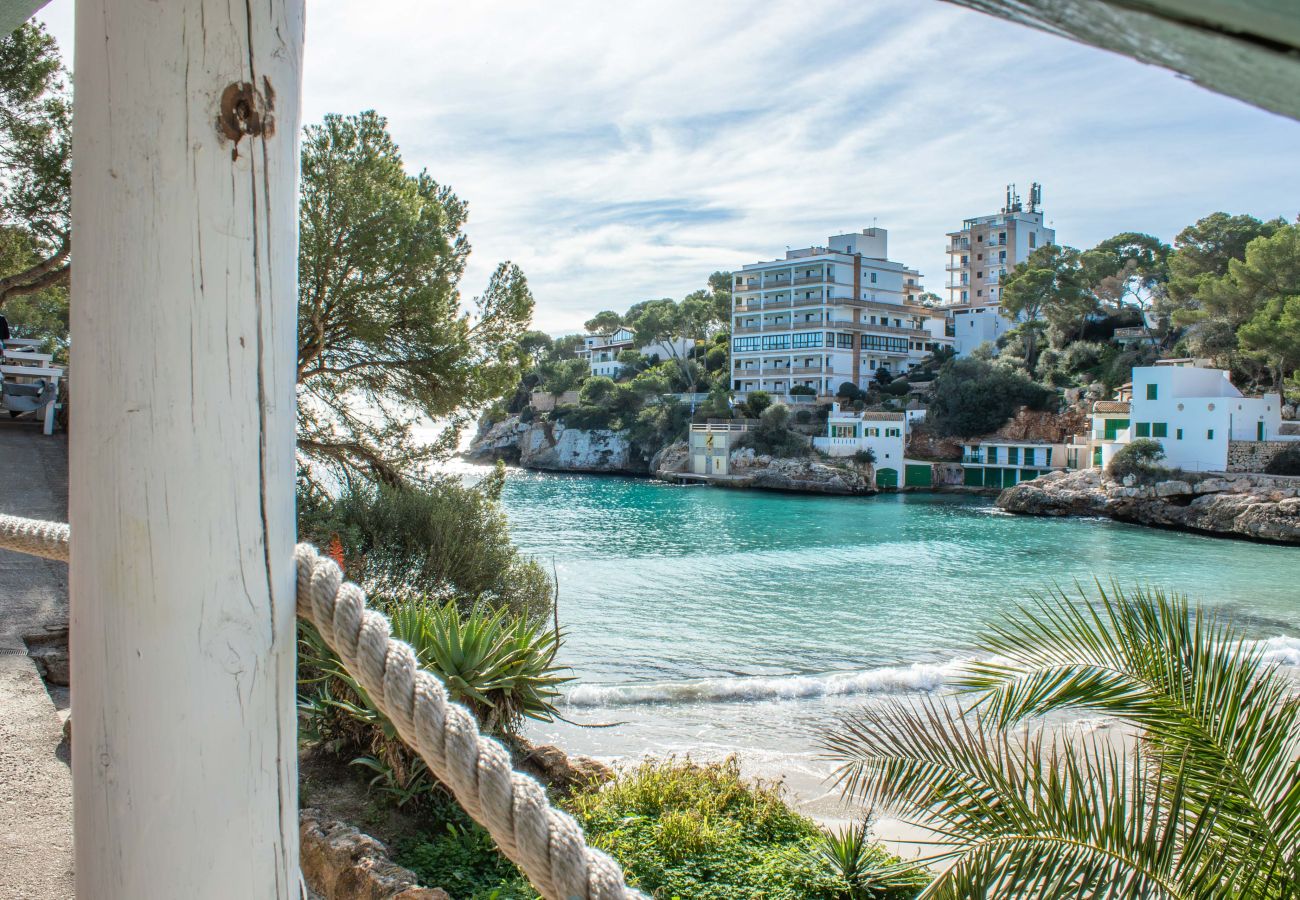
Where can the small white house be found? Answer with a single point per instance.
(1194, 411)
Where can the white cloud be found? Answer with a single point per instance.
(624, 151)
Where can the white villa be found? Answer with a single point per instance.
(1194, 411)
(885, 435)
(602, 350)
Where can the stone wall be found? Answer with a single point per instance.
(1253, 456)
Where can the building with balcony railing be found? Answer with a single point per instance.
(825, 315)
(1002, 463)
(980, 254)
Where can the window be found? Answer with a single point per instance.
(1152, 391)
(807, 339)
(844, 340)
(964, 297)
(873, 432)
(1002, 237)
(1002, 256)
(873, 277)
(893, 432)
(1209, 435)
(1033, 240)
(776, 342)
(1160, 429)
(881, 342)
(1178, 434)
(993, 455)
(741, 344)
(1143, 429)
(979, 293)
(979, 255)
(1047, 456)
(1013, 456)
(1029, 456)
(979, 274)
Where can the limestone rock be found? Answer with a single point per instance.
(340, 863)
(673, 459)
(551, 446)
(557, 770)
(1259, 507)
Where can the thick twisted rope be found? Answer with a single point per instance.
(34, 537)
(547, 844)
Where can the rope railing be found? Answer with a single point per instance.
(546, 843)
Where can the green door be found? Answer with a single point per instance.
(887, 478)
(1259, 431)
(1028, 474)
(917, 476)
(1009, 477)
(993, 477)
(974, 477)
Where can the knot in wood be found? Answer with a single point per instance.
(244, 111)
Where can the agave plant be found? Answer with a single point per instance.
(503, 669)
(866, 872)
(1206, 804)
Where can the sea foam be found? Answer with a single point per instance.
(914, 678)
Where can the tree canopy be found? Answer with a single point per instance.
(384, 342)
(35, 171)
(1049, 284)
(975, 397)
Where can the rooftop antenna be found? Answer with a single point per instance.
(1035, 197)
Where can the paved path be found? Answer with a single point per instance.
(35, 782)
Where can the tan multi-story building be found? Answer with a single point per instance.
(979, 257)
(826, 315)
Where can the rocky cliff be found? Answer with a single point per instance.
(552, 447)
(1258, 507)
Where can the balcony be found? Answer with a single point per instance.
(809, 279)
(776, 284)
(959, 247)
(776, 304)
(750, 329)
(777, 371)
(973, 459)
(956, 267)
(817, 323)
(743, 289)
(810, 370)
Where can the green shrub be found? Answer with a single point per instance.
(458, 855)
(700, 831)
(803, 390)
(773, 435)
(863, 868)
(849, 391)
(755, 403)
(1286, 462)
(1139, 457)
(973, 396)
(445, 539)
(865, 457)
(583, 416)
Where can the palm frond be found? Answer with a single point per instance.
(1020, 817)
(1201, 694)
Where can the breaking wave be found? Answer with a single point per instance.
(886, 680)
(917, 677)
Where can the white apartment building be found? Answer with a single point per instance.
(980, 255)
(822, 316)
(1193, 411)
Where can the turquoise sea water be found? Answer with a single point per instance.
(706, 620)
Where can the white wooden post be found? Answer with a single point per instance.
(182, 448)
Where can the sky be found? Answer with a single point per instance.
(620, 152)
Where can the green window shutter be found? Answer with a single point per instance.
(1209, 435)
(1047, 457)
(1144, 429)
(1029, 456)
(1013, 456)
(1152, 391)
(1179, 434)
(1160, 429)
(993, 455)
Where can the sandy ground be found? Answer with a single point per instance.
(35, 781)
